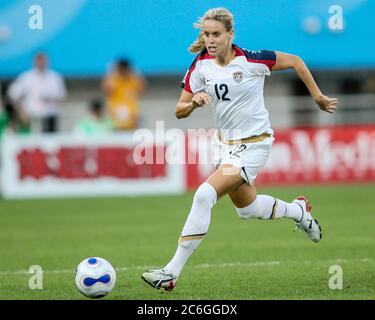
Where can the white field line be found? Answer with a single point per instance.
(206, 265)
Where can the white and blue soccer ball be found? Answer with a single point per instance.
(95, 277)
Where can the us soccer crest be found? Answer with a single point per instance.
(238, 76)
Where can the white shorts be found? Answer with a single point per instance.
(249, 157)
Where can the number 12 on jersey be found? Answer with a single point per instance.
(221, 91)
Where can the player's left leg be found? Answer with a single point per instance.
(250, 205)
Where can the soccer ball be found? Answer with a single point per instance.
(95, 277)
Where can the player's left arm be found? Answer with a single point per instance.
(286, 61)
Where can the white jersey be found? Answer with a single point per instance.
(236, 91)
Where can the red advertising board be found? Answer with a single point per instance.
(65, 166)
(312, 155)
(83, 162)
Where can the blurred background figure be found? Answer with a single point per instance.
(96, 122)
(123, 89)
(10, 120)
(36, 95)
(4, 119)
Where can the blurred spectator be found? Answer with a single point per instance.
(36, 95)
(10, 118)
(96, 122)
(4, 120)
(3, 115)
(123, 89)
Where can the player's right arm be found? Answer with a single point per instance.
(188, 102)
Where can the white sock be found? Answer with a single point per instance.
(195, 228)
(267, 207)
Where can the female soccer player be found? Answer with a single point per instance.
(231, 79)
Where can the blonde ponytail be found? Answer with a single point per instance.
(198, 44)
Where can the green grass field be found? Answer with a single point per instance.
(238, 259)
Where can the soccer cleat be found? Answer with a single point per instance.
(308, 223)
(160, 279)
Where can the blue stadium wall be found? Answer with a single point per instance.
(83, 36)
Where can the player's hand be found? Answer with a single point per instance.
(200, 99)
(327, 104)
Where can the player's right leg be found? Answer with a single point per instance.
(218, 184)
(250, 205)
